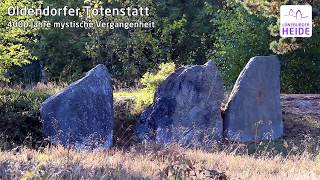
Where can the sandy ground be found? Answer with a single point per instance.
(301, 115)
(302, 104)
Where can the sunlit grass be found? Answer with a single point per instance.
(293, 157)
(154, 163)
(142, 97)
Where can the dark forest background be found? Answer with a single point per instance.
(187, 32)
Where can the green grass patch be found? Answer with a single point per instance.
(142, 98)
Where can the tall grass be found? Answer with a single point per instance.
(153, 162)
(294, 157)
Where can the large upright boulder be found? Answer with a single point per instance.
(253, 111)
(81, 114)
(186, 108)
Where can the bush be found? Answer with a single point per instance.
(152, 80)
(300, 75)
(144, 97)
(19, 117)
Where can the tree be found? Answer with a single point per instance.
(16, 42)
(63, 50)
(300, 56)
(185, 30)
(128, 53)
(250, 28)
(240, 35)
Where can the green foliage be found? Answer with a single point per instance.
(252, 28)
(142, 98)
(15, 42)
(19, 117)
(300, 56)
(301, 70)
(63, 50)
(186, 32)
(130, 104)
(183, 36)
(152, 80)
(70, 52)
(240, 36)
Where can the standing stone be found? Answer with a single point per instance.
(81, 114)
(253, 111)
(186, 108)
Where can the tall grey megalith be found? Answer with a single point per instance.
(253, 111)
(81, 114)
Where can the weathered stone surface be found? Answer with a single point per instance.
(81, 114)
(253, 111)
(186, 108)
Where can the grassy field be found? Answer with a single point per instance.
(153, 163)
(295, 156)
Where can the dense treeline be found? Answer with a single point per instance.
(187, 32)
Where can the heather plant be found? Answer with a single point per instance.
(20, 115)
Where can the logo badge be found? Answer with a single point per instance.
(295, 21)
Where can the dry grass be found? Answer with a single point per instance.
(152, 163)
(293, 157)
(50, 87)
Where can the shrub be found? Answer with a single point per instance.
(142, 98)
(19, 117)
(152, 80)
